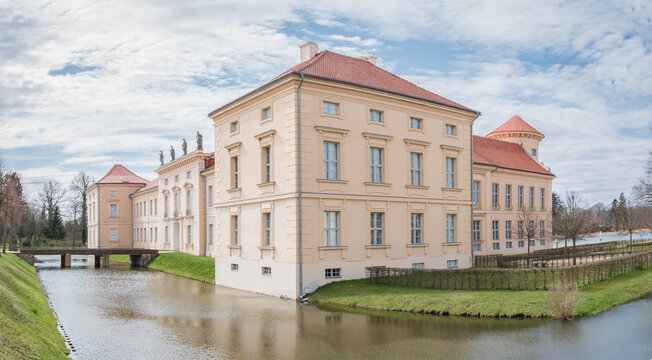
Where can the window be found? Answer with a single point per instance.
(267, 164)
(189, 234)
(450, 228)
(267, 113)
(234, 232)
(450, 129)
(267, 229)
(112, 194)
(415, 123)
(176, 203)
(450, 173)
(377, 228)
(331, 161)
(113, 210)
(520, 229)
(494, 195)
(167, 206)
(531, 242)
(266, 270)
(534, 152)
(508, 245)
(167, 235)
(234, 267)
(416, 231)
(495, 226)
(166, 181)
(520, 197)
(114, 235)
(508, 196)
(333, 273)
(530, 229)
(477, 247)
(188, 202)
(415, 169)
(542, 242)
(451, 264)
(531, 197)
(475, 231)
(417, 266)
(176, 178)
(542, 229)
(521, 243)
(144, 234)
(210, 195)
(508, 229)
(210, 234)
(496, 246)
(542, 198)
(235, 180)
(331, 228)
(188, 175)
(151, 208)
(234, 127)
(376, 165)
(376, 116)
(331, 108)
(476, 193)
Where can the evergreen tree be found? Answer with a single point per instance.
(55, 225)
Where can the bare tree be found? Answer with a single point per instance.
(643, 190)
(573, 220)
(80, 185)
(528, 216)
(51, 194)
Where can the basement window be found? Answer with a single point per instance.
(333, 273)
(266, 270)
(451, 264)
(234, 267)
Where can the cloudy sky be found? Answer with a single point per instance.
(86, 84)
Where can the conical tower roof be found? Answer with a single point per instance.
(515, 124)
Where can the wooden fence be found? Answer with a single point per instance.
(562, 257)
(509, 279)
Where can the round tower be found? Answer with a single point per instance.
(516, 130)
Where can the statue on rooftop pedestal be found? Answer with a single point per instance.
(171, 152)
(200, 141)
(184, 146)
(161, 158)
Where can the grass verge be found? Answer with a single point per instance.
(200, 268)
(119, 258)
(28, 328)
(594, 298)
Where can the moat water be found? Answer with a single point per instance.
(121, 313)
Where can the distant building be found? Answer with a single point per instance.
(383, 179)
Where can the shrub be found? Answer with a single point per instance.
(564, 298)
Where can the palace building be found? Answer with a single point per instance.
(333, 166)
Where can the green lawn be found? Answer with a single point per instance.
(594, 298)
(119, 258)
(28, 328)
(200, 268)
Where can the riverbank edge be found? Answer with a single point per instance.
(355, 295)
(200, 268)
(29, 325)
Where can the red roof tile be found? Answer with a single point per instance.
(149, 185)
(505, 155)
(121, 175)
(339, 67)
(515, 124)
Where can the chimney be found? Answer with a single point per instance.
(308, 51)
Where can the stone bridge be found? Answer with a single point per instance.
(137, 257)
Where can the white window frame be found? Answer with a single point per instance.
(451, 130)
(376, 116)
(331, 160)
(450, 172)
(376, 164)
(508, 229)
(210, 234)
(416, 160)
(495, 227)
(476, 193)
(113, 235)
(113, 210)
(495, 193)
(235, 229)
(450, 228)
(267, 229)
(416, 228)
(331, 228)
(189, 235)
(267, 164)
(451, 264)
(377, 228)
(475, 230)
(330, 108)
(333, 273)
(416, 123)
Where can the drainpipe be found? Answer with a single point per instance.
(300, 189)
(203, 179)
(477, 115)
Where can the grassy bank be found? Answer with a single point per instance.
(194, 267)
(119, 258)
(28, 328)
(594, 298)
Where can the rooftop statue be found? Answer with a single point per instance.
(200, 141)
(184, 146)
(160, 158)
(171, 152)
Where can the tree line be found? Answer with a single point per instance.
(55, 217)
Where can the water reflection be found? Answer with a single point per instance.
(123, 313)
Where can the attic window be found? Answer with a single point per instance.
(450, 129)
(376, 116)
(123, 178)
(267, 113)
(113, 194)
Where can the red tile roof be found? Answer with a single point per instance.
(344, 68)
(209, 161)
(150, 185)
(505, 155)
(515, 124)
(121, 175)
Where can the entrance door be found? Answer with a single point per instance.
(176, 237)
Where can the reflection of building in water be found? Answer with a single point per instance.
(333, 166)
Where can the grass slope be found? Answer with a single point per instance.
(119, 258)
(594, 298)
(28, 328)
(194, 267)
